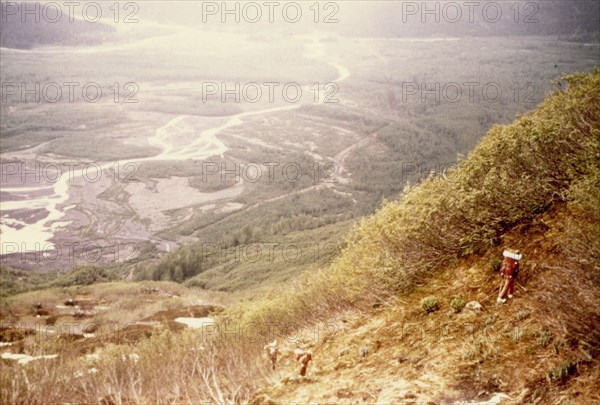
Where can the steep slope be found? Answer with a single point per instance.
(540, 347)
(533, 185)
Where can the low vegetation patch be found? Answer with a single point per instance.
(458, 303)
(430, 304)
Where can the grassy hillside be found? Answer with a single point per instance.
(518, 171)
(532, 185)
(541, 347)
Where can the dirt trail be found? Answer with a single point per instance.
(399, 354)
(340, 374)
(395, 367)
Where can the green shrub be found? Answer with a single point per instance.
(496, 264)
(85, 275)
(430, 304)
(458, 303)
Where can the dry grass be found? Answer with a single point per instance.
(449, 356)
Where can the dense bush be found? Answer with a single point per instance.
(85, 275)
(515, 173)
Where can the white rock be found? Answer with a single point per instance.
(92, 356)
(24, 358)
(473, 306)
(196, 323)
(496, 399)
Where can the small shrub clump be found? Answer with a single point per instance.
(430, 304)
(458, 303)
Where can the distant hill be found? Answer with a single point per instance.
(577, 20)
(14, 33)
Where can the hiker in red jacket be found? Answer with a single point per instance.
(508, 272)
